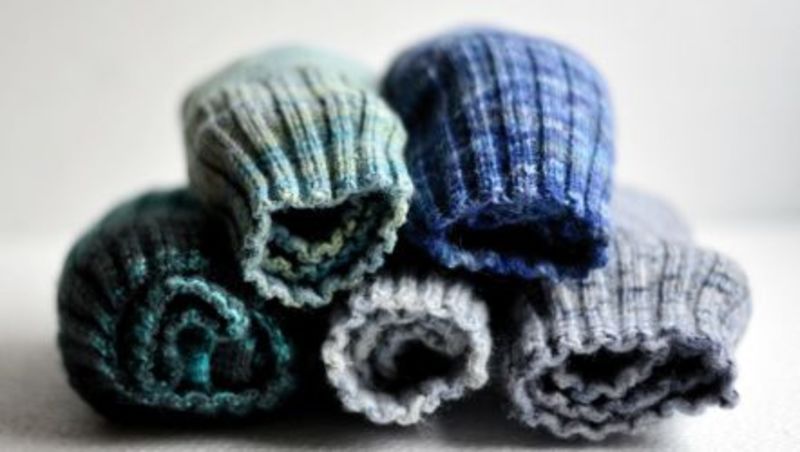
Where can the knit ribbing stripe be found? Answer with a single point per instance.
(650, 333)
(301, 141)
(500, 141)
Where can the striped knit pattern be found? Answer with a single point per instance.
(404, 344)
(150, 323)
(305, 160)
(651, 333)
(510, 150)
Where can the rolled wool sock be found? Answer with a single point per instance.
(650, 333)
(402, 346)
(306, 161)
(149, 326)
(510, 150)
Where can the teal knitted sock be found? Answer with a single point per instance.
(150, 323)
(305, 160)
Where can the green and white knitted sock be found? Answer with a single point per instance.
(297, 149)
(403, 345)
(650, 333)
(152, 325)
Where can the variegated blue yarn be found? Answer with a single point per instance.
(510, 150)
(299, 152)
(151, 323)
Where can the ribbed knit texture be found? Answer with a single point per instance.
(403, 345)
(650, 333)
(151, 325)
(510, 150)
(305, 160)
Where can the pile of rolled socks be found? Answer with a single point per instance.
(392, 207)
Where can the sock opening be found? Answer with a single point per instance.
(610, 381)
(416, 364)
(409, 356)
(604, 366)
(311, 244)
(551, 238)
(195, 345)
(696, 374)
(316, 224)
(197, 354)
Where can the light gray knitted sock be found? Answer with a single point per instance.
(650, 333)
(401, 346)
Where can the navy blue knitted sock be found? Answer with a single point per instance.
(510, 150)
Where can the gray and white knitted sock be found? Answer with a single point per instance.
(401, 346)
(650, 333)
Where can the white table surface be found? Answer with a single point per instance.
(39, 411)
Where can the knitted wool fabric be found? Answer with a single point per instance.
(149, 326)
(510, 150)
(404, 345)
(305, 160)
(650, 333)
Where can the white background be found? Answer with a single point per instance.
(707, 93)
(707, 97)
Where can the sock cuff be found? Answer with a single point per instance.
(402, 346)
(150, 326)
(276, 139)
(505, 130)
(651, 333)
